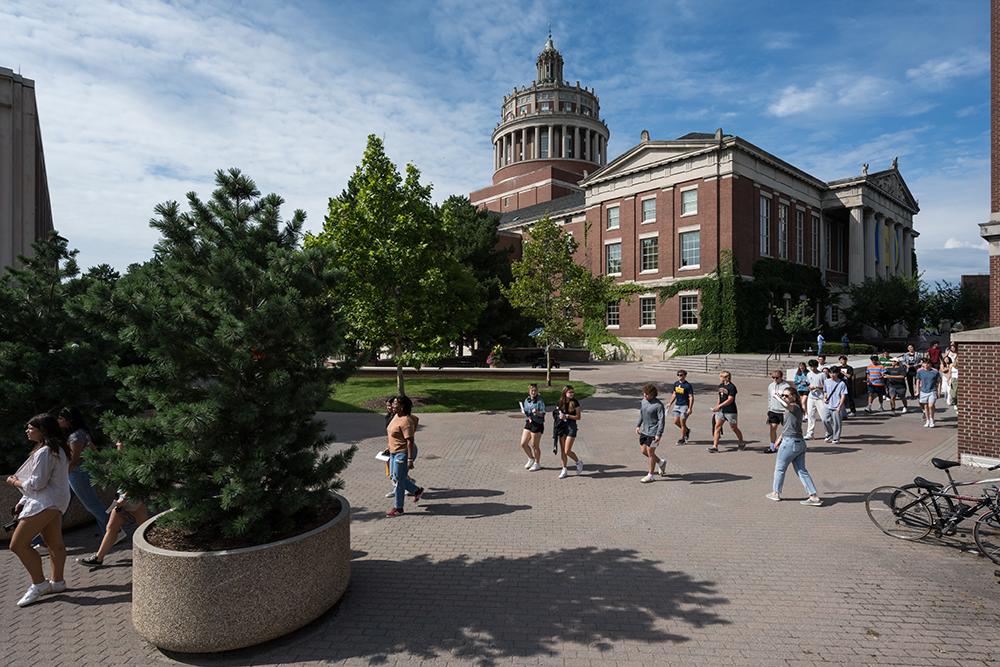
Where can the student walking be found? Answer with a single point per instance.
(815, 405)
(820, 341)
(649, 428)
(835, 394)
(43, 480)
(533, 409)
(792, 451)
(846, 343)
(934, 354)
(847, 373)
(801, 381)
(875, 378)
(911, 362)
(945, 371)
(401, 433)
(895, 380)
(928, 385)
(569, 414)
(681, 405)
(725, 411)
(74, 427)
(775, 408)
(953, 396)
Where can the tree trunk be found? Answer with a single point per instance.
(791, 343)
(399, 379)
(548, 365)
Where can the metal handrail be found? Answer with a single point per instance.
(776, 354)
(706, 359)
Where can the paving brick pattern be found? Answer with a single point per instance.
(504, 567)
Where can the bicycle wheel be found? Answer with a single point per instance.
(943, 505)
(899, 513)
(986, 533)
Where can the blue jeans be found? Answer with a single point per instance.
(792, 451)
(79, 481)
(399, 470)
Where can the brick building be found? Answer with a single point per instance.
(665, 210)
(25, 210)
(979, 350)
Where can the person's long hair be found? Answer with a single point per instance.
(75, 419)
(564, 400)
(52, 435)
(802, 367)
(405, 405)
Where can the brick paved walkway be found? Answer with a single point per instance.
(502, 566)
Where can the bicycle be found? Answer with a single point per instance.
(912, 511)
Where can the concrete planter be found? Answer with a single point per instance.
(209, 601)
(74, 517)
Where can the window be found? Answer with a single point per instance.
(543, 151)
(613, 217)
(815, 240)
(585, 110)
(613, 316)
(613, 258)
(765, 226)
(506, 201)
(689, 310)
(647, 311)
(689, 202)
(545, 106)
(783, 231)
(648, 210)
(649, 253)
(800, 231)
(690, 248)
(523, 109)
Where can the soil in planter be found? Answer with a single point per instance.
(378, 404)
(175, 539)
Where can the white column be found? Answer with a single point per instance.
(551, 143)
(869, 244)
(856, 250)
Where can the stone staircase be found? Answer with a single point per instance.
(745, 365)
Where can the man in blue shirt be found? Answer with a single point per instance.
(928, 382)
(681, 405)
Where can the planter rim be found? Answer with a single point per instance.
(140, 536)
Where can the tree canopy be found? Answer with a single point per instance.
(883, 303)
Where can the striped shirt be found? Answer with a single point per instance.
(875, 374)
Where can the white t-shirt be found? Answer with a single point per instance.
(816, 384)
(44, 482)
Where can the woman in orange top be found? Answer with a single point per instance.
(402, 451)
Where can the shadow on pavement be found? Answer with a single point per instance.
(600, 471)
(713, 477)
(481, 610)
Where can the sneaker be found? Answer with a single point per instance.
(930, 424)
(680, 441)
(663, 467)
(926, 423)
(418, 494)
(90, 561)
(647, 479)
(57, 586)
(827, 439)
(687, 433)
(395, 511)
(531, 462)
(812, 503)
(34, 593)
(390, 494)
(741, 446)
(121, 536)
(773, 496)
(902, 410)
(868, 410)
(41, 549)
(579, 466)
(563, 474)
(534, 467)
(835, 442)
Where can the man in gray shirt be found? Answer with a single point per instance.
(649, 428)
(835, 393)
(775, 407)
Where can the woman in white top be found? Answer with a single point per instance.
(43, 481)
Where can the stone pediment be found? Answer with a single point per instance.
(891, 183)
(648, 154)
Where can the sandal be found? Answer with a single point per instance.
(712, 449)
(91, 561)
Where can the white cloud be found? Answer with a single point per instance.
(953, 243)
(841, 94)
(779, 40)
(940, 71)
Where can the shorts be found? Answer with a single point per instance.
(726, 417)
(928, 397)
(534, 427)
(568, 428)
(679, 411)
(897, 391)
(775, 417)
(876, 390)
(646, 441)
(803, 392)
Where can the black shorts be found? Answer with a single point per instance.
(803, 392)
(876, 390)
(646, 441)
(775, 417)
(534, 427)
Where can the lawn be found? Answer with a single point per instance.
(442, 394)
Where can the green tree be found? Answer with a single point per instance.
(882, 303)
(798, 320)
(52, 353)
(550, 287)
(476, 244)
(231, 324)
(957, 303)
(405, 291)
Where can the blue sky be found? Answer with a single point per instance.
(142, 102)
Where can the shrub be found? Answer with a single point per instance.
(232, 323)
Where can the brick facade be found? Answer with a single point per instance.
(978, 411)
(994, 289)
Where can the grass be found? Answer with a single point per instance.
(443, 394)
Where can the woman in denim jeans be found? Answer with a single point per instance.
(792, 450)
(78, 438)
(402, 452)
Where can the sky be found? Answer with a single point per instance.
(141, 102)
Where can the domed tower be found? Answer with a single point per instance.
(550, 136)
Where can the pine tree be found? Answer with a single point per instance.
(231, 324)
